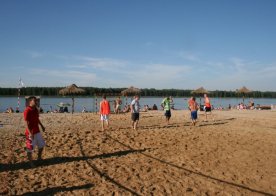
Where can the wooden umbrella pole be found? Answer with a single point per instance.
(73, 104)
(200, 101)
(96, 104)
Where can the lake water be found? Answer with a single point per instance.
(50, 103)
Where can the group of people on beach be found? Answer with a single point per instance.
(194, 107)
(34, 137)
(10, 110)
(250, 106)
(166, 104)
(105, 111)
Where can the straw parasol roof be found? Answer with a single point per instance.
(200, 90)
(243, 90)
(131, 91)
(71, 90)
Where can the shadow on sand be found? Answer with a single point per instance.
(105, 175)
(197, 172)
(214, 123)
(60, 160)
(54, 190)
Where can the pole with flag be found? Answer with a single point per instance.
(20, 85)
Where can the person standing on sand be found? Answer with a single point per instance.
(166, 105)
(33, 136)
(193, 105)
(207, 106)
(104, 112)
(189, 101)
(171, 103)
(118, 105)
(134, 108)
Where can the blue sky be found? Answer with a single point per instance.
(218, 44)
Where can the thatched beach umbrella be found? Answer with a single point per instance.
(130, 91)
(72, 90)
(200, 91)
(243, 91)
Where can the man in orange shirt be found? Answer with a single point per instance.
(104, 111)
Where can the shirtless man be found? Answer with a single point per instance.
(208, 106)
(118, 105)
(193, 105)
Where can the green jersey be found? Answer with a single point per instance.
(166, 104)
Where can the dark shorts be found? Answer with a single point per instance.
(194, 115)
(134, 116)
(168, 113)
(207, 109)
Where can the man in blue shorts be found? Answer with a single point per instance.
(193, 105)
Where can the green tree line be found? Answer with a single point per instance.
(149, 92)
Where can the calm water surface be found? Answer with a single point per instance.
(50, 103)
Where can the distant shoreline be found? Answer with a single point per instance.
(92, 96)
(145, 92)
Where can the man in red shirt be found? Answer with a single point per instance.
(32, 132)
(104, 111)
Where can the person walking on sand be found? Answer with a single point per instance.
(33, 136)
(134, 108)
(166, 105)
(104, 112)
(189, 103)
(208, 107)
(193, 105)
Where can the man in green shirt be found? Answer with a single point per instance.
(167, 108)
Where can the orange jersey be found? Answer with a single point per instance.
(104, 107)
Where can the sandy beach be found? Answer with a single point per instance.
(233, 155)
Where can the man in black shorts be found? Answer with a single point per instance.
(134, 108)
(207, 106)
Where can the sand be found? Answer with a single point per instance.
(233, 155)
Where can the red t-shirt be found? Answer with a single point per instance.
(104, 107)
(31, 115)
